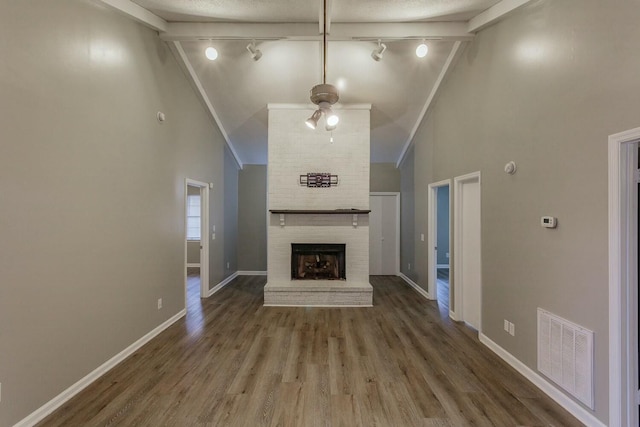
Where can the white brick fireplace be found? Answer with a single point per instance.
(320, 215)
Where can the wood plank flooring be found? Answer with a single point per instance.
(233, 362)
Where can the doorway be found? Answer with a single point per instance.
(624, 371)
(384, 234)
(196, 240)
(467, 250)
(439, 242)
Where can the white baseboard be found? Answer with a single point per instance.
(46, 409)
(582, 414)
(252, 273)
(193, 264)
(222, 284)
(415, 286)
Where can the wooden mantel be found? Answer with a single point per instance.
(320, 211)
(354, 212)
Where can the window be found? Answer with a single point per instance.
(193, 217)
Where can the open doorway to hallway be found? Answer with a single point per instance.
(439, 243)
(196, 249)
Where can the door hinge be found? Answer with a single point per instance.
(638, 397)
(636, 176)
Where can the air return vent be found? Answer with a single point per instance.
(565, 355)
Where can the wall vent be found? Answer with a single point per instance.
(565, 355)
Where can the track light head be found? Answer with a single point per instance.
(377, 52)
(256, 53)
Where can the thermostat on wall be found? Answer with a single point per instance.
(549, 221)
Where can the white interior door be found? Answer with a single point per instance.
(383, 234)
(467, 255)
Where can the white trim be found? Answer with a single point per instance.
(320, 305)
(622, 405)
(458, 182)
(193, 264)
(443, 72)
(46, 409)
(549, 389)
(415, 286)
(203, 94)
(494, 14)
(252, 273)
(309, 106)
(432, 206)
(395, 194)
(138, 13)
(442, 266)
(222, 284)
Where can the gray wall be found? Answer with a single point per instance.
(384, 177)
(443, 225)
(193, 252)
(83, 155)
(545, 88)
(407, 218)
(252, 218)
(230, 214)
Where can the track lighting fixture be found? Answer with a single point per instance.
(256, 53)
(377, 52)
(422, 50)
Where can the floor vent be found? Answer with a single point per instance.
(565, 355)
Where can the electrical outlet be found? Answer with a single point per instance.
(227, 265)
(512, 329)
(159, 303)
(409, 266)
(506, 325)
(422, 237)
(447, 254)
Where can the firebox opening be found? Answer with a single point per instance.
(318, 261)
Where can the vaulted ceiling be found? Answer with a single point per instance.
(237, 90)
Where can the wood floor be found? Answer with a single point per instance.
(233, 362)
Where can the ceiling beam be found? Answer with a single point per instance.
(137, 13)
(494, 14)
(187, 31)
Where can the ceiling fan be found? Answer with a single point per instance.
(324, 95)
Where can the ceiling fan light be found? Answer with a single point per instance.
(312, 122)
(211, 53)
(332, 119)
(422, 50)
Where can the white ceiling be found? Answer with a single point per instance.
(237, 89)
